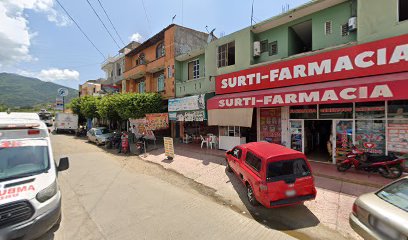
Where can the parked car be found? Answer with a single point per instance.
(30, 201)
(274, 175)
(99, 135)
(382, 214)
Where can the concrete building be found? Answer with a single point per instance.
(114, 67)
(150, 67)
(91, 87)
(317, 78)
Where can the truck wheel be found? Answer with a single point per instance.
(228, 168)
(251, 195)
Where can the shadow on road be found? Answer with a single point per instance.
(282, 219)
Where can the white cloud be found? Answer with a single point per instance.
(136, 37)
(15, 34)
(53, 74)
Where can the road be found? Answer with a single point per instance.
(106, 196)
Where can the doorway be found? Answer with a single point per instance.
(318, 142)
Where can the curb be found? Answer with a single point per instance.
(349, 180)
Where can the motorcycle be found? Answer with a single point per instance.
(81, 132)
(113, 141)
(141, 145)
(388, 166)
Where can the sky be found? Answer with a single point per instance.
(37, 38)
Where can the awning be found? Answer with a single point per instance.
(365, 89)
(230, 117)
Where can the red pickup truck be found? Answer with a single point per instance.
(274, 175)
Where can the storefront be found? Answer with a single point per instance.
(189, 117)
(324, 103)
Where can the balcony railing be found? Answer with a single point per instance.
(136, 72)
(155, 65)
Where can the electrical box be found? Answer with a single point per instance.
(257, 48)
(352, 24)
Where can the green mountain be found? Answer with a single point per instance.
(20, 91)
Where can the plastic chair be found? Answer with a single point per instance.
(213, 141)
(187, 139)
(204, 140)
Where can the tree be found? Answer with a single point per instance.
(131, 105)
(3, 108)
(107, 108)
(89, 107)
(75, 105)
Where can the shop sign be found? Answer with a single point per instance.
(168, 147)
(374, 58)
(391, 90)
(157, 121)
(196, 102)
(191, 116)
(398, 137)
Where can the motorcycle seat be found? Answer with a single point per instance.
(379, 158)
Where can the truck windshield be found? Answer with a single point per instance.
(22, 158)
(45, 116)
(286, 169)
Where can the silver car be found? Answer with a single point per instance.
(98, 135)
(382, 214)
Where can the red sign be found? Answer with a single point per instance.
(374, 58)
(339, 93)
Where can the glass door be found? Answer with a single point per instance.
(296, 135)
(343, 130)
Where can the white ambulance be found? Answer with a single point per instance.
(30, 200)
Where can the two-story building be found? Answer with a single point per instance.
(318, 78)
(114, 67)
(91, 87)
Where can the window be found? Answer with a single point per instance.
(194, 69)
(273, 48)
(253, 161)
(396, 194)
(402, 10)
(288, 169)
(160, 52)
(370, 136)
(169, 72)
(303, 112)
(328, 28)
(370, 110)
(160, 83)
(398, 110)
(141, 60)
(236, 153)
(344, 30)
(118, 69)
(226, 54)
(142, 87)
(264, 46)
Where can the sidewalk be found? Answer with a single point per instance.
(336, 191)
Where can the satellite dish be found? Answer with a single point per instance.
(211, 36)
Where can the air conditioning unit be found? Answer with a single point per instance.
(257, 48)
(352, 24)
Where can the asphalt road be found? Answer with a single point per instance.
(106, 196)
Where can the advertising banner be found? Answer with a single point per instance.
(109, 88)
(196, 102)
(157, 121)
(379, 57)
(139, 127)
(191, 116)
(335, 92)
(59, 104)
(270, 121)
(398, 136)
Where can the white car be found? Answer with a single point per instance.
(30, 200)
(99, 135)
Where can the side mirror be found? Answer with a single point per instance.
(229, 152)
(63, 164)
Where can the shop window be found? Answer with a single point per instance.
(336, 111)
(370, 110)
(370, 136)
(273, 48)
(270, 125)
(194, 69)
(160, 52)
(226, 54)
(402, 10)
(398, 109)
(303, 112)
(264, 46)
(253, 161)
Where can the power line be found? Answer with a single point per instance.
(147, 18)
(103, 24)
(111, 22)
(80, 29)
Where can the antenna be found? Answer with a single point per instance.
(174, 17)
(210, 35)
(206, 28)
(252, 12)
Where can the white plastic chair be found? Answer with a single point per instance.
(187, 139)
(213, 141)
(204, 140)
